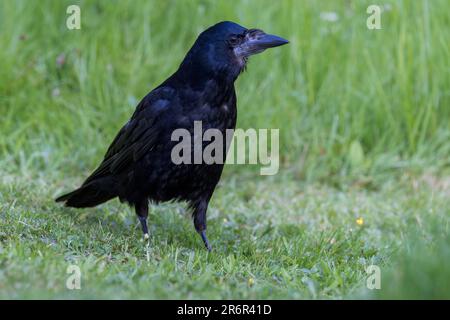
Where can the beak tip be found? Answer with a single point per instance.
(276, 41)
(283, 41)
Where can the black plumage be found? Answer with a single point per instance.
(138, 167)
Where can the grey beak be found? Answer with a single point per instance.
(257, 42)
(267, 41)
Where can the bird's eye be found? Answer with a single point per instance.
(234, 40)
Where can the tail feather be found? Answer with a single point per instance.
(90, 195)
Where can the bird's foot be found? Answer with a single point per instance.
(205, 240)
(143, 221)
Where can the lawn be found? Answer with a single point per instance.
(364, 179)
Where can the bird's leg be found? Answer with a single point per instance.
(199, 215)
(142, 213)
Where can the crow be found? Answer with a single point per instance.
(138, 167)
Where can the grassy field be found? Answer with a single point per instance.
(364, 118)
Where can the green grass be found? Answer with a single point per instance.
(292, 241)
(364, 124)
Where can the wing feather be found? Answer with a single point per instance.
(134, 140)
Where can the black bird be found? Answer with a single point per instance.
(138, 167)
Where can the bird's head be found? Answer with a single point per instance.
(225, 48)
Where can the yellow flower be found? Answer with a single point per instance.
(251, 282)
(360, 221)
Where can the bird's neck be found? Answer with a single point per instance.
(194, 83)
(201, 66)
(197, 77)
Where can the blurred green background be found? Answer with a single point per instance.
(363, 114)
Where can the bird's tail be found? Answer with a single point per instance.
(89, 195)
